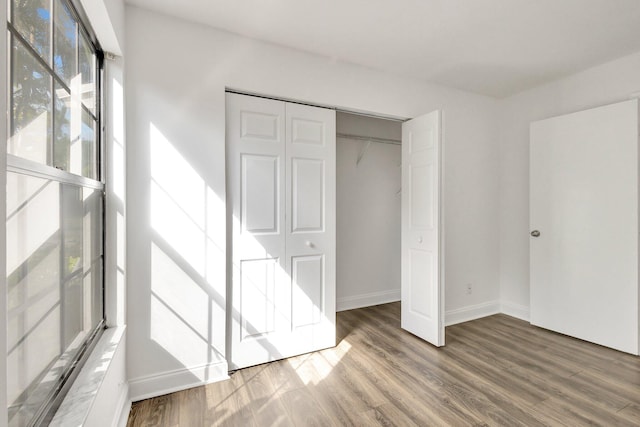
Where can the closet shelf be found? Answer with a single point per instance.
(369, 138)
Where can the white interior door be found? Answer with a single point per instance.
(584, 225)
(422, 291)
(281, 174)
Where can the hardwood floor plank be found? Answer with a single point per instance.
(574, 413)
(626, 387)
(191, 407)
(389, 414)
(228, 403)
(632, 413)
(581, 386)
(139, 413)
(264, 404)
(374, 417)
(304, 411)
(463, 385)
(282, 376)
(441, 390)
(493, 371)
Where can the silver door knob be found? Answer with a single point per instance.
(535, 233)
(309, 244)
(420, 239)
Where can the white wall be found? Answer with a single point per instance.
(605, 84)
(176, 76)
(367, 213)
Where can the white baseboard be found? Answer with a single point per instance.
(124, 405)
(180, 379)
(472, 312)
(366, 300)
(515, 310)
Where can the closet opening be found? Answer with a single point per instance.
(368, 203)
(327, 212)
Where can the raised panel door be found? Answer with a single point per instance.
(422, 293)
(281, 190)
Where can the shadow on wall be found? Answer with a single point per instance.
(187, 253)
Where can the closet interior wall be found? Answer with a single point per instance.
(368, 211)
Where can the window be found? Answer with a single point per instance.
(55, 204)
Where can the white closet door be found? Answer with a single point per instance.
(422, 293)
(584, 225)
(281, 174)
(311, 225)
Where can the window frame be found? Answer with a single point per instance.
(19, 165)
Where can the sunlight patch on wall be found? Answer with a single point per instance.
(186, 299)
(188, 262)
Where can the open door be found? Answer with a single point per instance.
(583, 189)
(421, 274)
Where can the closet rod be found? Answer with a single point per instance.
(369, 138)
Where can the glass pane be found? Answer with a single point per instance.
(74, 136)
(65, 43)
(88, 72)
(30, 106)
(93, 255)
(32, 19)
(33, 286)
(74, 147)
(89, 145)
(72, 213)
(54, 284)
(62, 128)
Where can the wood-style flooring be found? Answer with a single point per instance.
(496, 371)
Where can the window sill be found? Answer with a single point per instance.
(83, 394)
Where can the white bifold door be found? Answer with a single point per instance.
(584, 225)
(422, 291)
(281, 193)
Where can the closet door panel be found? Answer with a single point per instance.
(260, 126)
(311, 244)
(308, 280)
(255, 180)
(257, 293)
(308, 198)
(260, 194)
(422, 284)
(308, 131)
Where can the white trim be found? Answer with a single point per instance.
(366, 300)
(100, 19)
(79, 401)
(124, 407)
(515, 310)
(472, 312)
(337, 109)
(181, 379)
